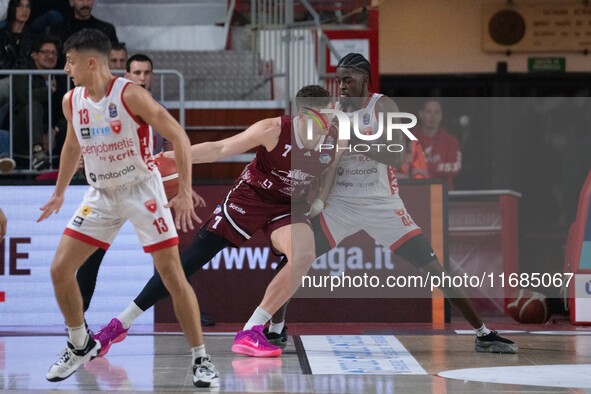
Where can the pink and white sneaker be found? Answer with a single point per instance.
(254, 343)
(110, 334)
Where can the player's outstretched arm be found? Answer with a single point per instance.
(147, 110)
(69, 158)
(264, 132)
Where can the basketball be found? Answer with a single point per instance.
(170, 177)
(529, 307)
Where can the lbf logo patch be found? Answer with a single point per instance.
(112, 110)
(151, 205)
(115, 126)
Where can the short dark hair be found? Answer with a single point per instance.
(357, 62)
(118, 46)
(138, 57)
(314, 95)
(89, 40)
(46, 39)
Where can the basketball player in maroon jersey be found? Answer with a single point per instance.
(270, 195)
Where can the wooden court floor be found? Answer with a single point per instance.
(319, 358)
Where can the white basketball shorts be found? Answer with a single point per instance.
(103, 211)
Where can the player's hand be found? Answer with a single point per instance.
(316, 207)
(53, 205)
(3, 222)
(184, 212)
(198, 201)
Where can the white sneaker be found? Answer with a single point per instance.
(72, 359)
(7, 164)
(204, 373)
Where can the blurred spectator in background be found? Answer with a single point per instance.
(415, 162)
(46, 13)
(16, 39)
(442, 150)
(81, 18)
(138, 69)
(3, 12)
(43, 57)
(118, 56)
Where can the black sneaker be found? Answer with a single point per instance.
(277, 339)
(206, 320)
(493, 343)
(72, 359)
(204, 373)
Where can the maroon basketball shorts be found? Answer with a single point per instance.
(246, 210)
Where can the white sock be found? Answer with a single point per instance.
(481, 331)
(276, 327)
(197, 352)
(78, 336)
(130, 313)
(259, 318)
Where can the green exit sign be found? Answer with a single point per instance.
(546, 64)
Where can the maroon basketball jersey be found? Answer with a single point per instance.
(285, 172)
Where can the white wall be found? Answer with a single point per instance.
(444, 36)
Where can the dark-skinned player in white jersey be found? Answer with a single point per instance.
(376, 208)
(270, 195)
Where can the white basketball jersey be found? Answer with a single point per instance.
(117, 147)
(358, 175)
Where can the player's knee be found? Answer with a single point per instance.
(59, 269)
(303, 257)
(173, 281)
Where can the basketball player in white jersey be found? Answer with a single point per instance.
(363, 195)
(108, 123)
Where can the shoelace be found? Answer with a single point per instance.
(108, 329)
(259, 335)
(206, 365)
(65, 357)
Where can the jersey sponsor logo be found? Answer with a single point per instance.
(325, 158)
(85, 133)
(296, 174)
(151, 205)
(308, 154)
(77, 221)
(366, 118)
(96, 131)
(237, 208)
(344, 184)
(112, 110)
(112, 175)
(102, 147)
(115, 126)
(267, 184)
(359, 171)
(85, 210)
